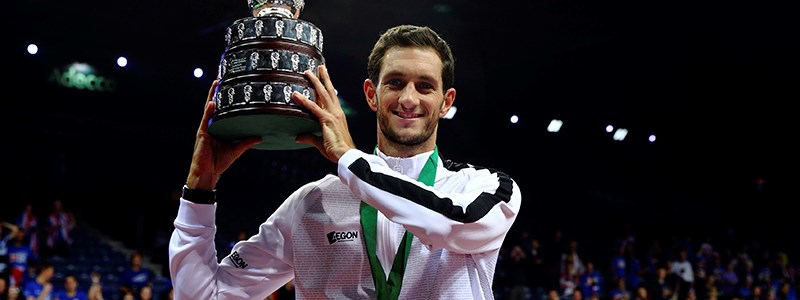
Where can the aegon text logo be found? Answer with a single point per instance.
(342, 236)
(237, 260)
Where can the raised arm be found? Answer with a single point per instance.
(194, 268)
(469, 212)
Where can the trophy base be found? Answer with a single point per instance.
(278, 127)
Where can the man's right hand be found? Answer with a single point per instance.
(211, 156)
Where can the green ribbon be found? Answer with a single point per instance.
(390, 288)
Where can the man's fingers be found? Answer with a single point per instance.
(303, 101)
(209, 107)
(312, 140)
(247, 143)
(323, 100)
(326, 80)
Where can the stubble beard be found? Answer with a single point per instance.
(405, 140)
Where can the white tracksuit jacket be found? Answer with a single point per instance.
(315, 236)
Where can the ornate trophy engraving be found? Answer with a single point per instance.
(263, 63)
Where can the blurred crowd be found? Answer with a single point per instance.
(630, 267)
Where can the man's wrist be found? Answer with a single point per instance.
(199, 196)
(201, 181)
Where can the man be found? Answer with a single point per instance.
(60, 224)
(20, 257)
(399, 223)
(71, 291)
(40, 287)
(5, 238)
(136, 276)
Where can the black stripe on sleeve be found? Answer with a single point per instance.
(474, 212)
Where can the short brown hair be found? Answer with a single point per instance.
(412, 36)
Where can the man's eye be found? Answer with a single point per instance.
(425, 86)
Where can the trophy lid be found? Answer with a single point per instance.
(281, 8)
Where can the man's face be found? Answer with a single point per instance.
(70, 283)
(409, 95)
(48, 272)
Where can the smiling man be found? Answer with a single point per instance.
(401, 222)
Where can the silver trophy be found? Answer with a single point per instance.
(263, 63)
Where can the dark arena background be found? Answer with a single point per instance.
(705, 91)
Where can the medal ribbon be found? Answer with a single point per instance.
(389, 289)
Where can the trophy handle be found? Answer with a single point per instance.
(276, 8)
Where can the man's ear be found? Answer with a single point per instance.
(449, 98)
(370, 94)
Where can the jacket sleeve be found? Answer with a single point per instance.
(473, 215)
(255, 267)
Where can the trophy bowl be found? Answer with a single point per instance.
(263, 63)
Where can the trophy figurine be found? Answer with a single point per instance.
(263, 63)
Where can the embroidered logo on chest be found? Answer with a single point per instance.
(342, 236)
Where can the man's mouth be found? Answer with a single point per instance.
(407, 115)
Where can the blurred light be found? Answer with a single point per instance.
(514, 119)
(761, 184)
(198, 72)
(451, 113)
(609, 128)
(555, 125)
(620, 134)
(82, 68)
(122, 61)
(442, 8)
(33, 49)
(82, 76)
(346, 107)
(652, 138)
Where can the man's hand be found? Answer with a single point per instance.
(336, 138)
(211, 157)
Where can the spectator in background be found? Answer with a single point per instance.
(571, 255)
(135, 277)
(682, 267)
(8, 292)
(641, 293)
(5, 238)
(662, 285)
(519, 267)
(96, 289)
(620, 291)
(28, 222)
(146, 293)
(70, 291)
(785, 290)
(552, 294)
(538, 273)
(20, 257)
(592, 282)
(3, 287)
(619, 262)
(40, 287)
(60, 224)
